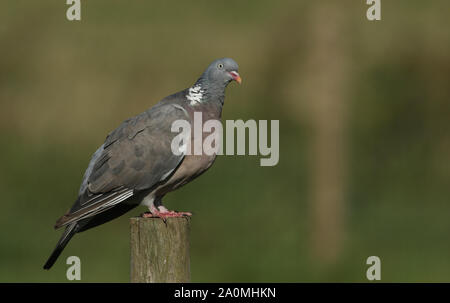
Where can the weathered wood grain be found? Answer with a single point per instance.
(160, 251)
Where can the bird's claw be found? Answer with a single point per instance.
(166, 214)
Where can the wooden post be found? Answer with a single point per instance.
(160, 251)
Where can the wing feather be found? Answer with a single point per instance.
(96, 205)
(135, 156)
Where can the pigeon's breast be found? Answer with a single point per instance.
(193, 165)
(190, 168)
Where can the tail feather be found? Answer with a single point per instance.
(70, 231)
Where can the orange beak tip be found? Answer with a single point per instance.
(236, 77)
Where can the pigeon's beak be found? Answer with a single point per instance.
(236, 77)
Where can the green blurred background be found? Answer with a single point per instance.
(364, 134)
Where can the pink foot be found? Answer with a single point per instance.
(164, 213)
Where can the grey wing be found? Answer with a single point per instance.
(89, 169)
(136, 156)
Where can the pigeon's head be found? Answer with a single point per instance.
(221, 72)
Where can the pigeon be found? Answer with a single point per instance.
(136, 165)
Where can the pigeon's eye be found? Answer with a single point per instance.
(220, 65)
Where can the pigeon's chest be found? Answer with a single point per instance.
(191, 167)
(203, 145)
(195, 163)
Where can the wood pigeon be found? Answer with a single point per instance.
(136, 165)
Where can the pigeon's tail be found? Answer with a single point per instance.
(70, 231)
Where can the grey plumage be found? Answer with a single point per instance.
(135, 165)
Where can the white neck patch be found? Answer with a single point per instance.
(195, 95)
